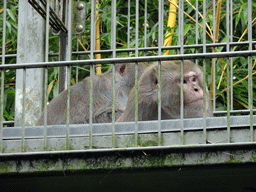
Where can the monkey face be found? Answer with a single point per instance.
(193, 92)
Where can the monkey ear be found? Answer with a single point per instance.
(120, 68)
(153, 79)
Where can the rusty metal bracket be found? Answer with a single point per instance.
(79, 17)
(55, 21)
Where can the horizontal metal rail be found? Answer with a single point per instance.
(174, 147)
(126, 128)
(128, 60)
(167, 47)
(146, 49)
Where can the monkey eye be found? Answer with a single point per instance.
(194, 78)
(184, 81)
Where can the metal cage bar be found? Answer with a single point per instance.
(145, 23)
(181, 40)
(180, 126)
(136, 72)
(93, 23)
(113, 47)
(160, 52)
(46, 72)
(231, 59)
(228, 72)
(204, 74)
(2, 77)
(250, 82)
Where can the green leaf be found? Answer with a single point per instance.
(186, 29)
(11, 14)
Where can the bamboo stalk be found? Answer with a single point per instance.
(171, 24)
(97, 40)
(217, 22)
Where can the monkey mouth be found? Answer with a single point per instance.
(195, 102)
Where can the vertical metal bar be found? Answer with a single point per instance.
(179, 24)
(160, 28)
(204, 26)
(113, 47)
(2, 78)
(145, 23)
(214, 59)
(69, 21)
(136, 70)
(250, 82)
(91, 105)
(93, 23)
(231, 58)
(213, 19)
(182, 141)
(228, 71)
(68, 57)
(181, 71)
(68, 108)
(137, 29)
(93, 28)
(77, 74)
(77, 57)
(4, 33)
(45, 106)
(196, 29)
(160, 52)
(46, 72)
(62, 77)
(228, 100)
(23, 110)
(113, 105)
(204, 102)
(214, 85)
(204, 72)
(136, 104)
(128, 22)
(159, 104)
(2, 104)
(24, 89)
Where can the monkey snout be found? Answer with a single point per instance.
(197, 92)
(197, 89)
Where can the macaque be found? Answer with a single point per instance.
(170, 93)
(102, 97)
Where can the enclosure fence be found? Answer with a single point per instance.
(49, 46)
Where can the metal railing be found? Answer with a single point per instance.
(169, 133)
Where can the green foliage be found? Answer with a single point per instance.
(11, 26)
(9, 100)
(10, 48)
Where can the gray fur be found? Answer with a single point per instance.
(102, 97)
